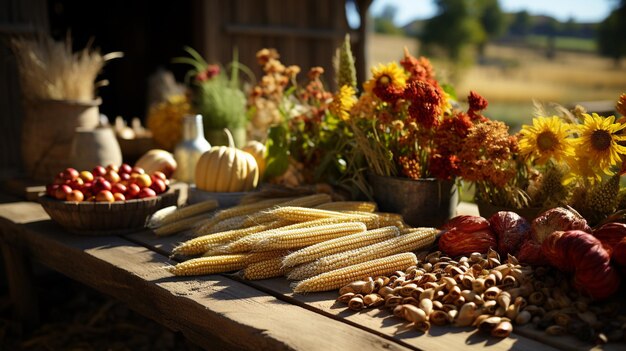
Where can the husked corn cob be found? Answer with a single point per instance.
(361, 206)
(245, 243)
(304, 214)
(304, 201)
(183, 224)
(203, 243)
(209, 265)
(246, 209)
(341, 244)
(254, 257)
(269, 268)
(297, 238)
(228, 224)
(182, 212)
(416, 240)
(337, 278)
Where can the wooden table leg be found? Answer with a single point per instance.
(21, 286)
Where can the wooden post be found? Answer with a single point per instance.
(361, 45)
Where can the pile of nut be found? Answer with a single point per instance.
(491, 295)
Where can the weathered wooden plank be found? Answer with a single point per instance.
(213, 311)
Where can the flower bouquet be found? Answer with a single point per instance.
(567, 158)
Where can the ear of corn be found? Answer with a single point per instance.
(335, 279)
(341, 244)
(202, 243)
(254, 257)
(228, 224)
(304, 214)
(360, 206)
(297, 238)
(269, 268)
(305, 201)
(246, 209)
(183, 224)
(419, 239)
(210, 265)
(182, 212)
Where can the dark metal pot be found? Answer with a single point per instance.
(425, 202)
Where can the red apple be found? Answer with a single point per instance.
(124, 176)
(158, 185)
(132, 191)
(146, 192)
(99, 171)
(113, 167)
(51, 189)
(159, 174)
(118, 188)
(70, 174)
(137, 170)
(59, 179)
(86, 176)
(62, 191)
(112, 176)
(125, 168)
(76, 184)
(143, 180)
(119, 197)
(75, 195)
(100, 184)
(105, 196)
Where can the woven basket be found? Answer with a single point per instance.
(106, 218)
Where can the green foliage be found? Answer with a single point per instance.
(345, 70)
(612, 34)
(521, 23)
(277, 149)
(453, 28)
(218, 98)
(384, 23)
(491, 18)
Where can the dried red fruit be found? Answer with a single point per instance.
(610, 234)
(557, 219)
(530, 253)
(511, 231)
(467, 223)
(459, 242)
(581, 253)
(619, 253)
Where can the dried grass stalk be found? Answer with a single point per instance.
(50, 70)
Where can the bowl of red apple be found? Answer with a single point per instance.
(109, 200)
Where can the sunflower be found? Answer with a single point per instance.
(343, 102)
(599, 140)
(546, 139)
(387, 82)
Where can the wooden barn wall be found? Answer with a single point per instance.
(305, 32)
(17, 18)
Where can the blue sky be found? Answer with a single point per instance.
(580, 10)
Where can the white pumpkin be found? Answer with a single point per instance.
(257, 150)
(157, 160)
(226, 169)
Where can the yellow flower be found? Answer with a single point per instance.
(165, 120)
(343, 101)
(390, 75)
(581, 168)
(598, 140)
(546, 139)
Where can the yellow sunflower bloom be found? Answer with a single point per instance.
(343, 101)
(598, 139)
(387, 75)
(547, 138)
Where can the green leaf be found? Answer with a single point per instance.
(277, 146)
(449, 89)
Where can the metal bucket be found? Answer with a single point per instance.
(426, 202)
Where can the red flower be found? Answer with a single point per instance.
(425, 101)
(476, 104)
(210, 72)
(419, 69)
(444, 166)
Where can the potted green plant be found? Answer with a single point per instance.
(218, 97)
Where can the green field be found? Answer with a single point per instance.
(563, 43)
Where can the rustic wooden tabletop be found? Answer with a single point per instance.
(222, 311)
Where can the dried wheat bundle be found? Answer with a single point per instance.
(50, 70)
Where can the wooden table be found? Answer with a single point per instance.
(220, 311)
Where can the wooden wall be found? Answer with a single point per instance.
(25, 18)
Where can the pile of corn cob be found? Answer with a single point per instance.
(322, 243)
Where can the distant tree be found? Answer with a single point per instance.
(384, 22)
(521, 24)
(453, 28)
(492, 20)
(612, 34)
